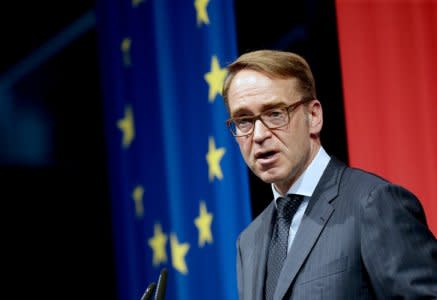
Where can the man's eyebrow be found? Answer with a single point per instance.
(246, 112)
(274, 105)
(240, 112)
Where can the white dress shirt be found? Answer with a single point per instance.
(305, 185)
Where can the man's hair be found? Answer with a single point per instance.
(274, 64)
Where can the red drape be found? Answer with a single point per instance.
(388, 54)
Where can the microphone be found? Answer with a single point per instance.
(149, 291)
(162, 282)
(159, 288)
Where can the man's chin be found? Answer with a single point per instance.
(269, 177)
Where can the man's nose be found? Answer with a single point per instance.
(260, 131)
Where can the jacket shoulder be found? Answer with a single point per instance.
(249, 233)
(359, 178)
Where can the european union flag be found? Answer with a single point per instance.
(179, 185)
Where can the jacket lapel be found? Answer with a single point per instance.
(316, 215)
(259, 257)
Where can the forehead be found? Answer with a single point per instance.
(250, 88)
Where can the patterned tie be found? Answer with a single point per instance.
(286, 208)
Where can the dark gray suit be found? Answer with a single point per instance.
(360, 238)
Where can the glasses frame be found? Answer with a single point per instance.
(288, 108)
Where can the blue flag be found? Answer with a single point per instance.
(179, 186)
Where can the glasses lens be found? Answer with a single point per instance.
(231, 126)
(240, 127)
(243, 125)
(275, 118)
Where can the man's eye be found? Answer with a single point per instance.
(243, 122)
(276, 113)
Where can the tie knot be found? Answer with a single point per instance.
(287, 206)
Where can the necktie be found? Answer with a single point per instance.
(286, 208)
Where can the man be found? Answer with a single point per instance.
(351, 234)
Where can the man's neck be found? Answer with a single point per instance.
(308, 179)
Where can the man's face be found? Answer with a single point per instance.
(279, 155)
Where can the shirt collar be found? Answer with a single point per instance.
(308, 180)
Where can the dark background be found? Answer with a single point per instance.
(57, 235)
(307, 28)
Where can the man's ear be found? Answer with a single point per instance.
(315, 117)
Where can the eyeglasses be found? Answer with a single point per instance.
(272, 118)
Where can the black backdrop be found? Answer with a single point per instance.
(56, 227)
(307, 28)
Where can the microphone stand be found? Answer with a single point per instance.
(158, 288)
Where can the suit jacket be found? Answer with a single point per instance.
(361, 238)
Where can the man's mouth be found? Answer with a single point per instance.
(265, 155)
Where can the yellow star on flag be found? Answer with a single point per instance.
(135, 3)
(157, 243)
(178, 252)
(213, 158)
(202, 14)
(126, 125)
(137, 195)
(215, 79)
(125, 49)
(203, 224)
